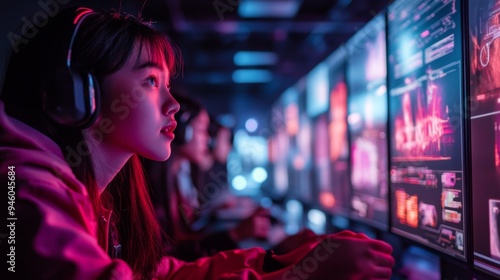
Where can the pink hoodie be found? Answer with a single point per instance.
(55, 227)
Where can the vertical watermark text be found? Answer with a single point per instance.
(11, 218)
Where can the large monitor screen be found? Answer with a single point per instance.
(366, 78)
(278, 150)
(426, 102)
(316, 107)
(299, 148)
(302, 159)
(484, 46)
(321, 178)
(317, 90)
(333, 193)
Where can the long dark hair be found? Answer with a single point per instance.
(103, 44)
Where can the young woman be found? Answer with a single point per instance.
(82, 98)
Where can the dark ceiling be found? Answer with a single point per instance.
(210, 32)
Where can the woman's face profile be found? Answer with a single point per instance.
(137, 107)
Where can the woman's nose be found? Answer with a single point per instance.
(171, 106)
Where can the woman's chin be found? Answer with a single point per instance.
(163, 156)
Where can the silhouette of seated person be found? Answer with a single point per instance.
(211, 177)
(223, 206)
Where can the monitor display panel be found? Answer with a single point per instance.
(484, 108)
(333, 193)
(302, 160)
(426, 101)
(299, 147)
(316, 107)
(317, 90)
(366, 77)
(278, 150)
(321, 174)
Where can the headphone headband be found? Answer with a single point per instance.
(72, 95)
(80, 17)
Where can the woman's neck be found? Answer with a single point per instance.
(105, 170)
(107, 161)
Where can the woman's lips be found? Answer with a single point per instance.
(169, 128)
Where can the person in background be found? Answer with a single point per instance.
(211, 173)
(81, 101)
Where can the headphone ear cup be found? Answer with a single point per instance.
(84, 97)
(92, 95)
(71, 100)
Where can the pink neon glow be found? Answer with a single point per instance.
(337, 128)
(321, 141)
(292, 119)
(321, 151)
(489, 76)
(364, 164)
(497, 142)
(327, 199)
(271, 149)
(421, 129)
(83, 12)
(425, 33)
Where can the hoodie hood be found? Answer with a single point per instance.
(56, 227)
(22, 145)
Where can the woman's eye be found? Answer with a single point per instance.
(152, 81)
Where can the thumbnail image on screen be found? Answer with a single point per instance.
(425, 117)
(367, 122)
(484, 30)
(334, 196)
